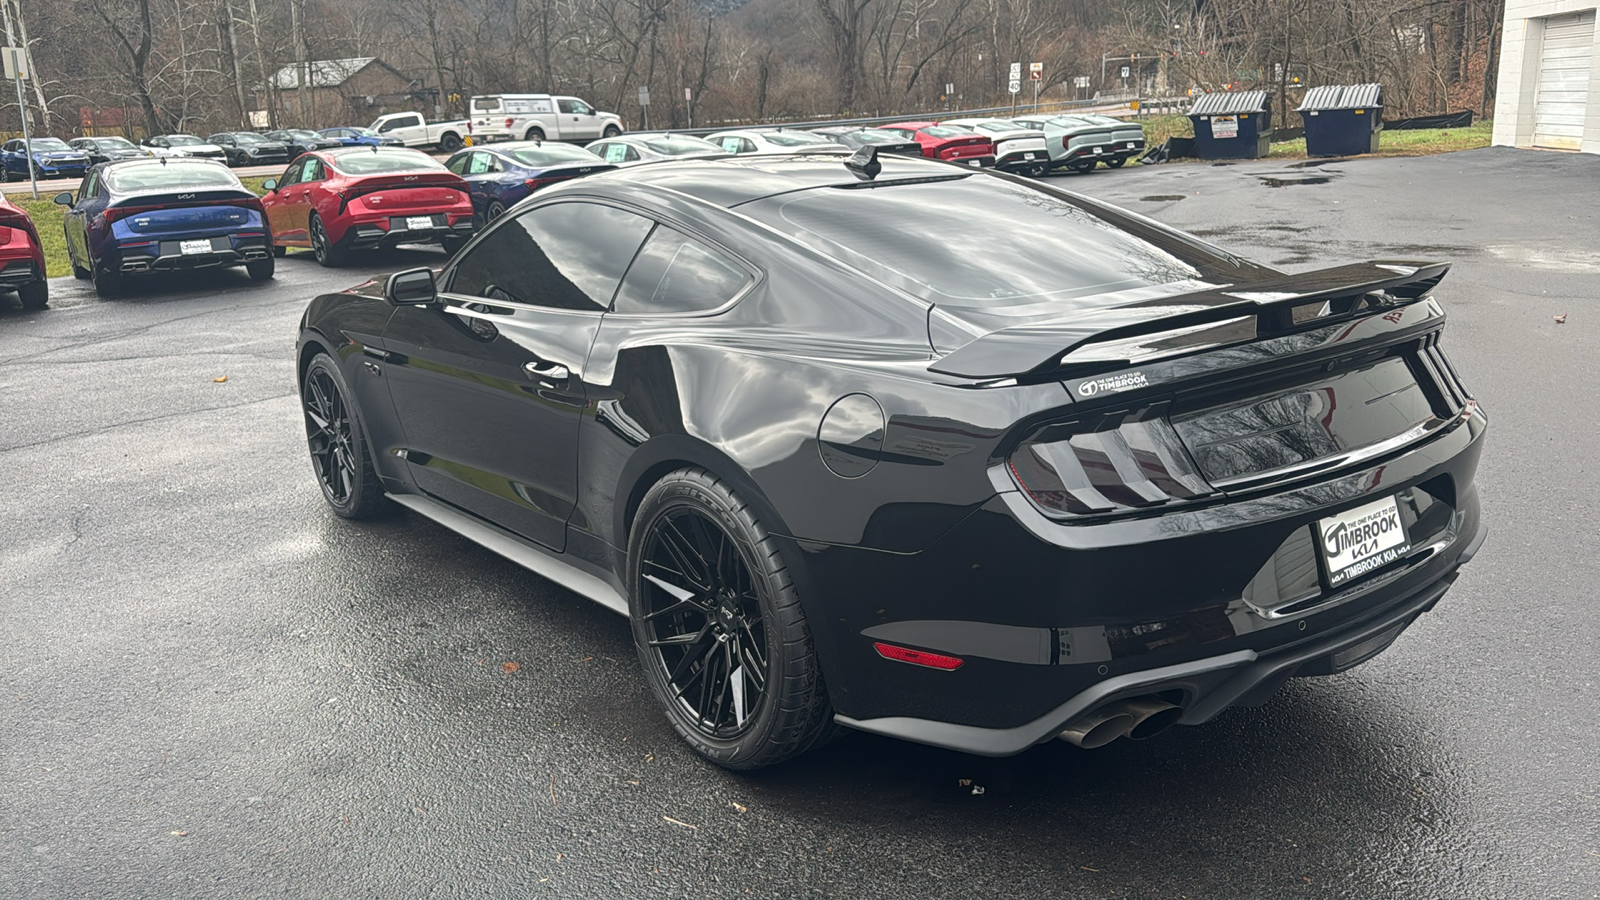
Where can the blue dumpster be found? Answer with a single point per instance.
(1342, 119)
(1232, 124)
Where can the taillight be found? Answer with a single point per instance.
(535, 183)
(509, 121)
(1066, 143)
(1123, 461)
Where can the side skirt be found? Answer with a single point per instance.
(534, 559)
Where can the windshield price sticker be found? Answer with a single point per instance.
(1361, 540)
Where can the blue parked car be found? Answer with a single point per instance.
(52, 158)
(359, 137)
(160, 215)
(501, 175)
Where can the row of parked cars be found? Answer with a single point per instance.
(54, 158)
(173, 204)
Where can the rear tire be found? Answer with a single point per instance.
(725, 646)
(261, 269)
(34, 294)
(533, 134)
(495, 211)
(450, 142)
(106, 283)
(340, 455)
(279, 251)
(1082, 166)
(1116, 163)
(328, 255)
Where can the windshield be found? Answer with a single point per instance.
(245, 137)
(384, 162)
(485, 104)
(114, 143)
(175, 175)
(945, 131)
(300, 135)
(183, 140)
(364, 132)
(984, 243)
(793, 139)
(49, 143)
(549, 154)
(681, 146)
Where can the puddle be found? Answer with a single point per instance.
(1220, 164)
(1312, 163)
(1159, 198)
(1550, 259)
(1288, 182)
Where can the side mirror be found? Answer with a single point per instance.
(64, 198)
(411, 287)
(270, 185)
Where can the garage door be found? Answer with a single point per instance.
(1563, 93)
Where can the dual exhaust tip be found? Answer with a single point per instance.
(1138, 718)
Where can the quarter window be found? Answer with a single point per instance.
(677, 274)
(482, 164)
(565, 255)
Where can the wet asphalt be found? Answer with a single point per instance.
(212, 687)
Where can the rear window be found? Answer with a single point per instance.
(550, 154)
(381, 162)
(878, 136)
(980, 242)
(174, 176)
(485, 103)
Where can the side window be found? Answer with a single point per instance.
(629, 154)
(91, 184)
(482, 164)
(675, 273)
(314, 171)
(614, 153)
(731, 144)
(11, 146)
(458, 163)
(565, 255)
(746, 146)
(291, 175)
(567, 106)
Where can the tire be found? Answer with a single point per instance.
(106, 282)
(452, 244)
(1116, 163)
(748, 619)
(279, 251)
(34, 294)
(78, 271)
(612, 131)
(496, 210)
(1082, 166)
(328, 255)
(1038, 171)
(340, 457)
(261, 269)
(450, 142)
(533, 134)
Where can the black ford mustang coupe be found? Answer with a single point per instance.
(914, 449)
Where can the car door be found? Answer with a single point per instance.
(578, 120)
(483, 172)
(75, 219)
(11, 155)
(489, 381)
(282, 204)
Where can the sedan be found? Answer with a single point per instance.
(1016, 149)
(855, 138)
(363, 198)
(1127, 137)
(109, 149)
(774, 141)
(183, 146)
(22, 266)
(1075, 143)
(957, 145)
(1035, 468)
(627, 150)
(246, 148)
(52, 158)
(360, 137)
(139, 216)
(503, 174)
(302, 140)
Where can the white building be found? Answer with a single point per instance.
(1549, 94)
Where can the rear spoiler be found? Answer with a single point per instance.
(1185, 323)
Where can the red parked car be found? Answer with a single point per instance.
(21, 258)
(957, 145)
(358, 198)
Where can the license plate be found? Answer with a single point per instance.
(1130, 145)
(194, 248)
(975, 162)
(1361, 540)
(419, 223)
(1027, 156)
(1098, 151)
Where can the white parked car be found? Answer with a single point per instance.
(174, 145)
(1016, 149)
(413, 131)
(772, 141)
(632, 149)
(539, 117)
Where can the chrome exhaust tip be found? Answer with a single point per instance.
(1150, 716)
(1098, 728)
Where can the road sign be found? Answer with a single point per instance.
(1081, 81)
(1015, 86)
(644, 96)
(16, 62)
(1125, 72)
(1016, 71)
(1036, 71)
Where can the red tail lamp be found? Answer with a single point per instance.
(917, 657)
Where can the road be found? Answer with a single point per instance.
(214, 688)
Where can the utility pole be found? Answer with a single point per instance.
(261, 68)
(301, 66)
(238, 72)
(38, 91)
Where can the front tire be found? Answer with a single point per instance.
(340, 456)
(719, 629)
(612, 131)
(327, 254)
(34, 294)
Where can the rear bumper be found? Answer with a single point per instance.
(373, 232)
(1086, 153)
(1022, 159)
(168, 256)
(19, 272)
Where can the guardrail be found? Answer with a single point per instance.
(1151, 106)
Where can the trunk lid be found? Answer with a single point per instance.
(185, 212)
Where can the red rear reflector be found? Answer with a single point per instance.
(917, 657)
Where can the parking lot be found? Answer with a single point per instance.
(213, 687)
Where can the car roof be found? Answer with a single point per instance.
(729, 181)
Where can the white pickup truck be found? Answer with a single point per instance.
(412, 131)
(539, 117)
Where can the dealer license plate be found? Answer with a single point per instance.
(975, 162)
(1361, 540)
(1098, 151)
(419, 223)
(194, 248)
(1027, 156)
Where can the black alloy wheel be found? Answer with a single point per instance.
(719, 629)
(107, 283)
(450, 142)
(495, 211)
(339, 453)
(323, 249)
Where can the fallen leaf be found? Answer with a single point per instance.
(684, 824)
(741, 807)
(510, 667)
(1561, 319)
(977, 790)
(180, 834)
(1087, 869)
(220, 379)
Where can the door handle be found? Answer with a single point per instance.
(549, 374)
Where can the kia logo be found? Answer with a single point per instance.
(185, 196)
(411, 178)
